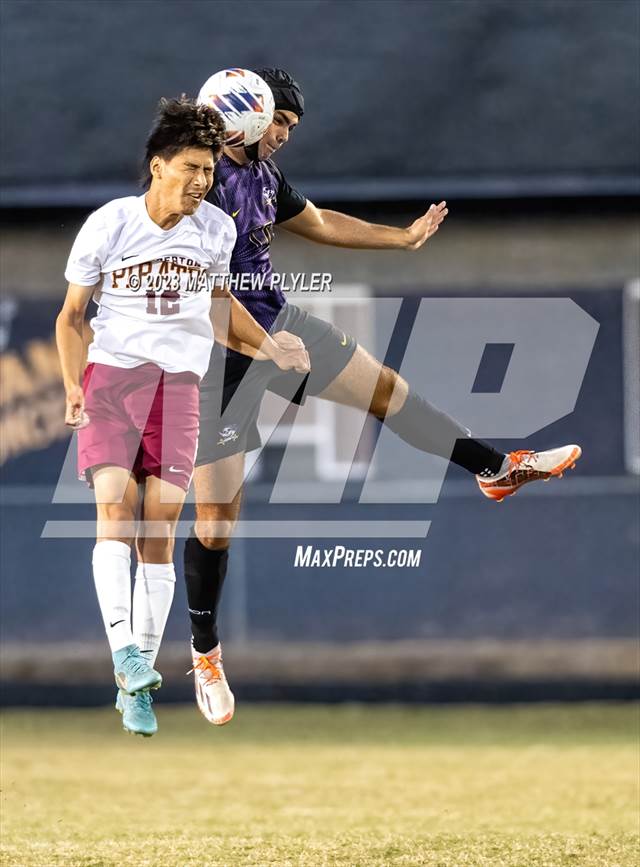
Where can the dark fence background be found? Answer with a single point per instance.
(404, 99)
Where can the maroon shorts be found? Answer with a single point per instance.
(142, 419)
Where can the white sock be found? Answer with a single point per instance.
(152, 598)
(112, 577)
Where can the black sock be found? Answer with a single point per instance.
(429, 429)
(477, 456)
(204, 574)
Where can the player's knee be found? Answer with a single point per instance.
(115, 512)
(116, 522)
(214, 530)
(113, 536)
(156, 550)
(155, 540)
(214, 543)
(216, 536)
(390, 393)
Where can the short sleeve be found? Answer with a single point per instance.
(88, 253)
(289, 201)
(222, 262)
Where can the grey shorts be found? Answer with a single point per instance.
(228, 413)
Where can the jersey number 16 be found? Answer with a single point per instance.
(169, 303)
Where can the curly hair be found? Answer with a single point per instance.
(182, 123)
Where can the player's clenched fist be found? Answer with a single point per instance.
(290, 352)
(75, 416)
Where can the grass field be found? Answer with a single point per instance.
(315, 785)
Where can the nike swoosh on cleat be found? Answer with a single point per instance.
(116, 623)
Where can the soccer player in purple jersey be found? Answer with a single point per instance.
(253, 191)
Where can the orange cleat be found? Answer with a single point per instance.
(527, 466)
(215, 699)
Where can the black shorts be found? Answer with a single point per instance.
(228, 414)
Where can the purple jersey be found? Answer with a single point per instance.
(256, 196)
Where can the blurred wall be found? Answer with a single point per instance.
(404, 98)
(493, 246)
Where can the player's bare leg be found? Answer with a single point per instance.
(218, 490)
(162, 506)
(116, 494)
(367, 384)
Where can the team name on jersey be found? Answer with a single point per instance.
(262, 236)
(165, 273)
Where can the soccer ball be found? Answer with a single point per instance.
(245, 102)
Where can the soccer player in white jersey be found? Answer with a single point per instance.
(137, 407)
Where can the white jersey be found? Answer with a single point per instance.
(150, 308)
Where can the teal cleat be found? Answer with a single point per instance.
(132, 672)
(137, 714)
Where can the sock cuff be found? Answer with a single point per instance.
(111, 548)
(210, 557)
(216, 650)
(156, 572)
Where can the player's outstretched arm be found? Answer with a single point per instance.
(236, 328)
(341, 230)
(72, 351)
